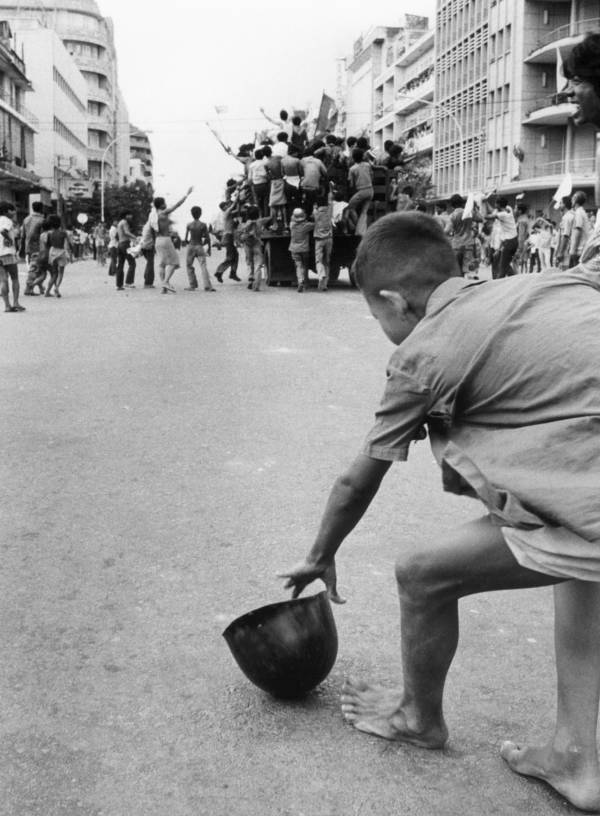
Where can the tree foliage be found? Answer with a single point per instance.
(417, 174)
(135, 198)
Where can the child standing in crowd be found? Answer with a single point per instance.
(300, 230)
(124, 238)
(8, 257)
(113, 247)
(197, 234)
(323, 233)
(100, 240)
(60, 253)
(361, 181)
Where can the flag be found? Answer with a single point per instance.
(564, 189)
(327, 114)
(561, 81)
(221, 109)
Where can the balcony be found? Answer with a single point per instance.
(419, 144)
(564, 37)
(96, 94)
(97, 65)
(97, 153)
(101, 122)
(551, 109)
(99, 37)
(17, 108)
(547, 176)
(410, 96)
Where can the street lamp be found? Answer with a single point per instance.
(448, 112)
(102, 160)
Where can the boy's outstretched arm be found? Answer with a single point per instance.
(348, 501)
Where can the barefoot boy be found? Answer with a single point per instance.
(513, 416)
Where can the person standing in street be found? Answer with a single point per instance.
(196, 233)
(124, 238)
(147, 249)
(232, 256)
(8, 257)
(561, 256)
(60, 253)
(113, 248)
(503, 216)
(166, 256)
(581, 231)
(100, 239)
(32, 229)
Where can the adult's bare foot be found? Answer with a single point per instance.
(379, 711)
(570, 772)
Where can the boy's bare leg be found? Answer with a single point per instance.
(569, 762)
(4, 289)
(14, 280)
(430, 581)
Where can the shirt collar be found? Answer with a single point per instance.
(445, 292)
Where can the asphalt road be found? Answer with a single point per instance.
(163, 457)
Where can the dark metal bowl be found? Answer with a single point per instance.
(286, 648)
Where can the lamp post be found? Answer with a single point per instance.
(103, 159)
(448, 112)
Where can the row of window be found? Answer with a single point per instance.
(500, 43)
(62, 83)
(68, 135)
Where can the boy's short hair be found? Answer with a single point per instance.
(457, 201)
(252, 212)
(330, 139)
(405, 251)
(267, 152)
(522, 208)
(282, 137)
(196, 212)
(53, 222)
(125, 213)
(351, 141)
(37, 207)
(283, 115)
(223, 205)
(296, 120)
(159, 203)
(6, 207)
(501, 202)
(584, 62)
(293, 151)
(258, 154)
(357, 155)
(362, 142)
(579, 197)
(566, 202)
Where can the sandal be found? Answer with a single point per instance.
(18, 308)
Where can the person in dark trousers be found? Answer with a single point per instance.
(148, 251)
(124, 237)
(232, 256)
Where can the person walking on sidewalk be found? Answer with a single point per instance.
(60, 253)
(196, 233)
(8, 257)
(166, 256)
(232, 256)
(32, 229)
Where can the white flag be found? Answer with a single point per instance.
(561, 81)
(564, 189)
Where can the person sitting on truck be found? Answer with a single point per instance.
(280, 148)
(292, 175)
(259, 181)
(360, 177)
(314, 179)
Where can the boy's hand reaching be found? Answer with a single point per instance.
(304, 574)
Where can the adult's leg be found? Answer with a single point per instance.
(205, 277)
(53, 277)
(149, 268)
(234, 255)
(226, 262)
(113, 255)
(297, 258)
(569, 762)
(4, 289)
(13, 271)
(363, 209)
(169, 272)
(190, 255)
(121, 256)
(32, 273)
(507, 252)
(474, 559)
(131, 263)
(59, 280)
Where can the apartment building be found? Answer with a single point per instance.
(89, 39)
(18, 179)
(60, 105)
(403, 92)
(141, 159)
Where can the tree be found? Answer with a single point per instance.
(416, 173)
(135, 198)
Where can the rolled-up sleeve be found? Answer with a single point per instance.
(400, 418)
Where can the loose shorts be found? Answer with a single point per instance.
(165, 252)
(555, 551)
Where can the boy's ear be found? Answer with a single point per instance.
(395, 299)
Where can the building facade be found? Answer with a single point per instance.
(141, 159)
(18, 179)
(89, 39)
(60, 105)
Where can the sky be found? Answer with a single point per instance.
(177, 60)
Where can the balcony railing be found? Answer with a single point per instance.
(98, 65)
(96, 154)
(577, 29)
(578, 167)
(99, 95)
(20, 108)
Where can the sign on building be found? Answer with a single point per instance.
(78, 189)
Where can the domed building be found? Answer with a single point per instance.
(89, 39)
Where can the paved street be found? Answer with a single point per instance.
(163, 458)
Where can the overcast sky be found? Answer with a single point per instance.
(179, 59)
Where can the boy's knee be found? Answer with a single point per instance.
(417, 574)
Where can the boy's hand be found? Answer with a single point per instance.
(304, 574)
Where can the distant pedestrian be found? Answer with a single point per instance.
(504, 218)
(561, 256)
(197, 238)
(100, 237)
(32, 229)
(124, 238)
(113, 247)
(147, 250)
(8, 257)
(166, 256)
(232, 256)
(300, 230)
(581, 228)
(59, 255)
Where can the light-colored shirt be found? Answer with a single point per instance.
(314, 171)
(280, 149)
(581, 231)
(32, 227)
(7, 245)
(504, 428)
(508, 227)
(257, 172)
(361, 176)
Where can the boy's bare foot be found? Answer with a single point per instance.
(568, 772)
(376, 710)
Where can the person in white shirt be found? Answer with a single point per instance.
(113, 247)
(280, 148)
(507, 229)
(8, 257)
(561, 257)
(259, 181)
